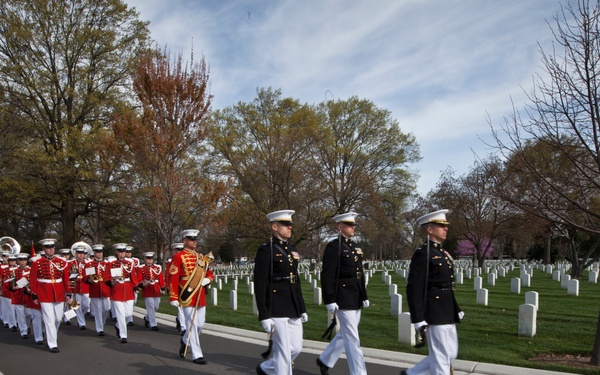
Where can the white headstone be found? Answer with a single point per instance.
(406, 331)
(533, 298)
(233, 300)
(564, 281)
(593, 277)
(254, 307)
(491, 280)
(477, 282)
(213, 296)
(396, 304)
(515, 285)
(388, 280)
(526, 280)
(251, 288)
(459, 278)
(573, 288)
(482, 297)
(318, 299)
(556, 275)
(527, 320)
(392, 289)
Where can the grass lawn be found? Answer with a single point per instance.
(565, 324)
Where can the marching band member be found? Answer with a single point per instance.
(136, 263)
(8, 309)
(18, 297)
(153, 285)
(180, 319)
(66, 255)
(49, 282)
(99, 290)
(33, 308)
(81, 290)
(189, 276)
(121, 276)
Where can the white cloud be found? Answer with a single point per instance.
(438, 66)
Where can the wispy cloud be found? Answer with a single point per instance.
(438, 66)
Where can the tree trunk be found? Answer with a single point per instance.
(68, 222)
(548, 250)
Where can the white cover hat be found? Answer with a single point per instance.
(347, 217)
(281, 215)
(148, 254)
(177, 245)
(437, 217)
(190, 233)
(48, 242)
(120, 246)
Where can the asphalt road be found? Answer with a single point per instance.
(147, 352)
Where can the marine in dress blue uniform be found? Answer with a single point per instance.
(344, 294)
(279, 300)
(430, 295)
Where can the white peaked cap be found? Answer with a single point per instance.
(177, 245)
(281, 215)
(437, 217)
(347, 217)
(190, 233)
(48, 242)
(148, 254)
(120, 246)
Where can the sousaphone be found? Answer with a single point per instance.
(10, 244)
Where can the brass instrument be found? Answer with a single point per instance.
(74, 304)
(95, 278)
(10, 244)
(119, 279)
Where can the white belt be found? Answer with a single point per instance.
(50, 281)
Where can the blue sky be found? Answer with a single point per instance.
(441, 67)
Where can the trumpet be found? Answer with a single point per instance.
(95, 278)
(119, 279)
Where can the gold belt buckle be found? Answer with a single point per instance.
(292, 279)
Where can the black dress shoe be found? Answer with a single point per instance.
(177, 325)
(146, 323)
(130, 324)
(101, 333)
(123, 340)
(200, 361)
(183, 332)
(68, 323)
(5, 325)
(13, 329)
(23, 336)
(82, 328)
(155, 328)
(39, 343)
(54, 350)
(403, 372)
(322, 367)
(260, 371)
(181, 348)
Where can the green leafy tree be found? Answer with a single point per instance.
(63, 66)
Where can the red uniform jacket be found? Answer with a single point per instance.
(152, 280)
(49, 279)
(4, 275)
(80, 286)
(123, 289)
(18, 297)
(97, 288)
(182, 267)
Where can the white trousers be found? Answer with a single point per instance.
(84, 307)
(346, 340)
(287, 344)
(124, 310)
(21, 318)
(181, 318)
(151, 309)
(52, 314)
(135, 298)
(194, 328)
(99, 308)
(36, 323)
(442, 344)
(8, 312)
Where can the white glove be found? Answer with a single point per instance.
(304, 317)
(268, 325)
(419, 325)
(205, 281)
(461, 315)
(174, 303)
(331, 307)
(366, 303)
